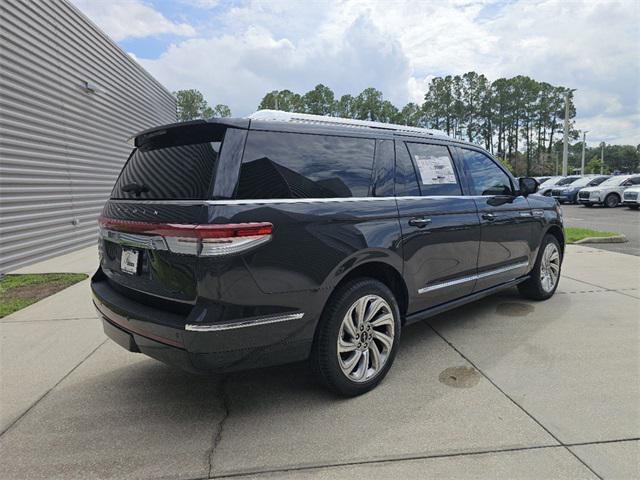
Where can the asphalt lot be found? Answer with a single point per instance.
(503, 388)
(620, 220)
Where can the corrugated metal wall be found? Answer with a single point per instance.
(61, 147)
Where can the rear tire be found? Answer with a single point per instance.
(357, 337)
(611, 201)
(545, 276)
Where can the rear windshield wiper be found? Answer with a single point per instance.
(136, 188)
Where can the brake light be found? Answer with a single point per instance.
(202, 240)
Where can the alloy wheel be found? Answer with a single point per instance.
(550, 267)
(365, 338)
(611, 201)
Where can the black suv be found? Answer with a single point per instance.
(236, 243)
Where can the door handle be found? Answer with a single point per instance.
(419, 222)
(489, 216)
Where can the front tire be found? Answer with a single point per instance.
(612, 200)
(545, 276)
(357, 338)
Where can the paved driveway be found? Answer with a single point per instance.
(503, 388)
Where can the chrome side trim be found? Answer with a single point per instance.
(242, 324)
(508, 268)
(470, 278)
(450, 283)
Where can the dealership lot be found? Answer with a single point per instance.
(620, 220)
(503, 388)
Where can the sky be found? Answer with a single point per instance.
(235, 51)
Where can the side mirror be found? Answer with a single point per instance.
(527, 185)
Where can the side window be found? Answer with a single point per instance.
(382, 180)
(406, 180)
(295, 165)
(435, 169)
(485, 177)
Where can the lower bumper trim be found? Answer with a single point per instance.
(243, 323)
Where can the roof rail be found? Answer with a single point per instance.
(280, 116)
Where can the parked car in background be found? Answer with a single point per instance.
(237, 243)
(569, 193)
(609, 192)
(631, 197)
(541, 180)
(546, 188)
(548, 184)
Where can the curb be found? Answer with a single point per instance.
(612, 239)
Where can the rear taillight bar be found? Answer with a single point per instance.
(202, 240)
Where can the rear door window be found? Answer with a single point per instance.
(436, 172)
(292, 165)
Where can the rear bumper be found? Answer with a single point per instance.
(250, 343)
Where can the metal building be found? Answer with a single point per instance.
(69, 99)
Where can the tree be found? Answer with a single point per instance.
(368, 104)
(319, 101)
(519, 119)
(284, 100)
(346, 107)
(411, 114)
(593, 165)
(191, 105)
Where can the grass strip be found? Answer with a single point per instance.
(19, 291)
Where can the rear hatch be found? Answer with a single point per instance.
(150, 228)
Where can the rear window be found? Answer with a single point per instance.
(179, 166)
(293, 165)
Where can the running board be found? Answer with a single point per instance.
(430, 312)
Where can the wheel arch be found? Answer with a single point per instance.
(557, 232)
(384, 273)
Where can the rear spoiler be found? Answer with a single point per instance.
(144, 136)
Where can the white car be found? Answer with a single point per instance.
(609, 192)
(631, 197)
(546, 186)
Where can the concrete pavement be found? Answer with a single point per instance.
(503, 388)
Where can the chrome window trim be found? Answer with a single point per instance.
(466, 279)
(243, 323)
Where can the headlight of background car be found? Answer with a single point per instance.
(595, 192)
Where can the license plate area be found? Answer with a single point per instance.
(130, 261)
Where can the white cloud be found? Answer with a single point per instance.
(122, 19)
(240, 69)
(397, 47)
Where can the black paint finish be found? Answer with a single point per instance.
(410, 241)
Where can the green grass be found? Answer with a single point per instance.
(19, 291)
(574, 234)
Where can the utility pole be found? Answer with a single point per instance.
(584, 139)
(601, 158)
(565, 141)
